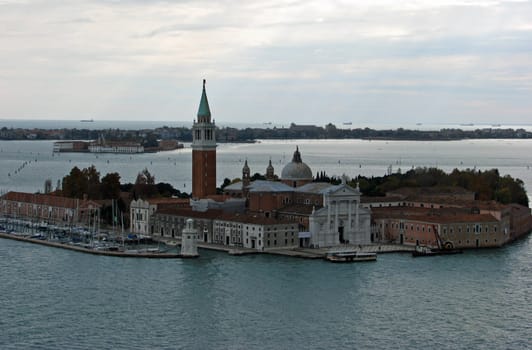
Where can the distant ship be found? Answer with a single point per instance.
(467, 124)
(348, 123)
(87, 120)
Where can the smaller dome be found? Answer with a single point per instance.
(296, 169)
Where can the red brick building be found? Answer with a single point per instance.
(48, 208)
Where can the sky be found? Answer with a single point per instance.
(307, 62)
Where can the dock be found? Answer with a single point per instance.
(126, 254)
(302, 253)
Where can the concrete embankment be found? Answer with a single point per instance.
(304, 253)
(94, 251)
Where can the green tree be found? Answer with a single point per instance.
(110, 186)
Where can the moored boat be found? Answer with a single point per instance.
(350, 256)
(426, 251)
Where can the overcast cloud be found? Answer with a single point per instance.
(302, 61)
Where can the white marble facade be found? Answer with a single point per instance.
(342, 220)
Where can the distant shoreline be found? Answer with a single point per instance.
(149, 137)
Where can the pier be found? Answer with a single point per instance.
(124, 254)
(302, 253)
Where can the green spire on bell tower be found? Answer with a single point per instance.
(204, 112)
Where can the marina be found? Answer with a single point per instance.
(95, 250)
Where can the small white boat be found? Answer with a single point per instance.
(350, 256)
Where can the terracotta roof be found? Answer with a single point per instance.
(167, 200)
(441, 216)
(189, 213)
(45, 199)
(299, 209)
(254, 219)
(381, 199)
(220, 215)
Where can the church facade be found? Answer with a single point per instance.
(342, 220)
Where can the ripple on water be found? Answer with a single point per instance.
(61, 299)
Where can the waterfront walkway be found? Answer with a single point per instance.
(305, 253)
(310, 253)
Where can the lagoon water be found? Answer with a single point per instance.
(336, 157)
(55, 299)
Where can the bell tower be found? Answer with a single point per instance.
(246, 178)
(203, 151)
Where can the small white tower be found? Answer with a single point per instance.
(188, 240)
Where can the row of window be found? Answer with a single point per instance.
(477, 228)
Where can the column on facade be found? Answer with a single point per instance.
(357, 220)
(349, 209)
(335, 236)
(329, 215)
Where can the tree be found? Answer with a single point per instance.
(145, 185)
(258, 176)
(226, 183)
(73, 183)
(145, 178)
(110, 186)
(91, 177)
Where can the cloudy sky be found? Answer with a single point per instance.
(379, 61)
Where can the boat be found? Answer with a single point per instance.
(350, 256)
(444, 248)
(348, 123)
(171, 243)
(426, 251)
(87, 120)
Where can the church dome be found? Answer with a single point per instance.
(296, 169)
